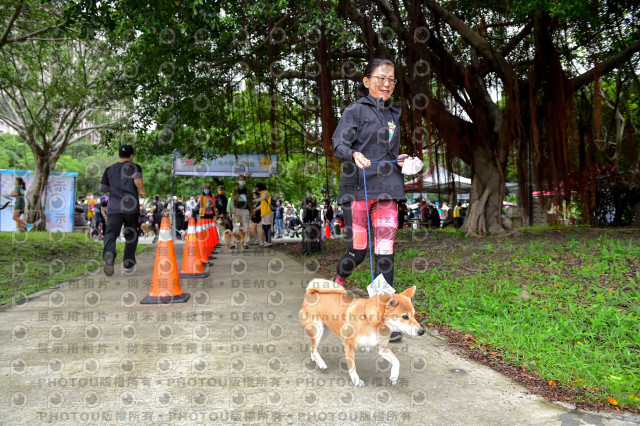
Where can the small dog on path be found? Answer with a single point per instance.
(357, 322)
(239, 237)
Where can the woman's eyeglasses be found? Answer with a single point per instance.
(381, 79)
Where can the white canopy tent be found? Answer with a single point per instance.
(438, 180)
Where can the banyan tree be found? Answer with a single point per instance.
(513, 88)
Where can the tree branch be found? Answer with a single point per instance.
(35, 33)
(604, 67)
(3, 39)
(475, 40)
(256, 65)
(511, 44)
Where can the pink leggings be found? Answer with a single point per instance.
(384, 221)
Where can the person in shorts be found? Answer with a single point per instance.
(19, 204)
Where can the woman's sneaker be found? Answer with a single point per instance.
(29, 227)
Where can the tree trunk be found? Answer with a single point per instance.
(324, 89)
(34, 212)
(485, 201)
(636, 215)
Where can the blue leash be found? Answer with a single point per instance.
(366, 200)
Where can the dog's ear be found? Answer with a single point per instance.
(392, 303)
(384, 298)
(409, 292)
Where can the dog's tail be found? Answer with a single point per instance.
(319, 285)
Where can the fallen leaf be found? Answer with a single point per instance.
(552, 383)
(612, 401)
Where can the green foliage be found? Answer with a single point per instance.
(204, 73)
(578, 326)
(84, 158)
(15, 154)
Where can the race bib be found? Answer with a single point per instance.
(242, 197)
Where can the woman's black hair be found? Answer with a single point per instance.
(156, 197)
(362, 91)
(261, 186)
(21, 183)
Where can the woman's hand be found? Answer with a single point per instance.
(401, 159)
(361, 160)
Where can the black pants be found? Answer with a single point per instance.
(179, 222)
(352, 258)
(114, 223)
(156, 220)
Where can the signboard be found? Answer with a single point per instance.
(58, 199)
(254, 165)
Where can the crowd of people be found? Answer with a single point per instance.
(287, 219)
(244, 208)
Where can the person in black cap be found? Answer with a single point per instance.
(123, 181)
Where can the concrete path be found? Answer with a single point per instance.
(89, 353)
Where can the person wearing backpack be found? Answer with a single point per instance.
(266, 211)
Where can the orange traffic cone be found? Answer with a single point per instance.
(327, 230)
(207, 225)
(202, 243)
(207, 237)
(165, 285)
(191, 264)
(213, 236)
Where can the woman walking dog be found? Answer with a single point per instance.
(369, 132)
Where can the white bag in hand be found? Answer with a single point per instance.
(380, 286)
(411, 166)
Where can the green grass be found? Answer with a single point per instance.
(30, 262)
(566, 304)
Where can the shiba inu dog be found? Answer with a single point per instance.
(357, 322)
(239, 237)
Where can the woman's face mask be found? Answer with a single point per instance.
(206, 191)
(241, 182)
(309, 194)
(220, 191)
